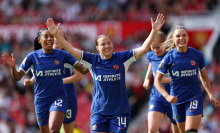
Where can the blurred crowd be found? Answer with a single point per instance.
(33, 11)
(17, 102)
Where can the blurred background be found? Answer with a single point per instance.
(128, 23)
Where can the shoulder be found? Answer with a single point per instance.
(150, 53)
(195, 51)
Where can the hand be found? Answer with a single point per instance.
(27, 82)
(215, 102)
(146, 84)
(9, 60)
(51, 27)
(171, 99)
(158, 23)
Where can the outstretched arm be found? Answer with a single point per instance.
(146, 45)
(65, 44)
(206, 83)
(158, 84)
(17, 75)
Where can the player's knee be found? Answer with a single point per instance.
(191, 131)
(153, 131)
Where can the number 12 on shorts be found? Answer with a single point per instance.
(121, 121)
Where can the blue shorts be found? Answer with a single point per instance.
(160, 106)
(71, 110)
(117, 123)
(42, 112)
(190, 108)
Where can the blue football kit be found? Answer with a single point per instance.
(157, 101)
(71, 95)
(47, 69)
(110, 108)
(184, 71)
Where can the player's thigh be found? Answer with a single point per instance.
(154, 120)
(44, 129)
(175, 128)
(55, 120)
(193, 122)
(68, 128)
(181, 127)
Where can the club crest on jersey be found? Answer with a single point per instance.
(193, 62)
(116, 67)
(56, 62)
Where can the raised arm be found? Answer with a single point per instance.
(158, 84)
(146, 45)
(65, 44)
(206, 84)
(148, 77)
(17, 75)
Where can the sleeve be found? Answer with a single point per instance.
(127, 55)
(148, 55)
(70, 59)
(26, 64)
(201, 61)
(164, 64)
(87, 59)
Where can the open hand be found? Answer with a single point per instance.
(215, 102)
(9, 60)
(52, 28)
(158, 23)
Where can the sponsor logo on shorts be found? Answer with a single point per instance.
(192, 110)
(94, 127)
(40, 120)
(177, 117)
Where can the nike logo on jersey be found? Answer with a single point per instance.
(38, 63)
(174, 64)
(97, 67)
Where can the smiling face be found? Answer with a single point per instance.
(46, 40)
(181, 39)
(105, 47)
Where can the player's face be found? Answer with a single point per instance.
(180, 38)
(158, 48)
(46, 40)
(105, 47)
(56, 45)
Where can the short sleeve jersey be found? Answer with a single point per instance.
(47, 69)
(184, 70)
(155, 61)
(109, 93)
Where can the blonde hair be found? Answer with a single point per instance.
(169, 44)
(160, 37)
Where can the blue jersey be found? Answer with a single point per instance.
(184, 70)
(155, 61)
(109, 93)
(47, 69)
